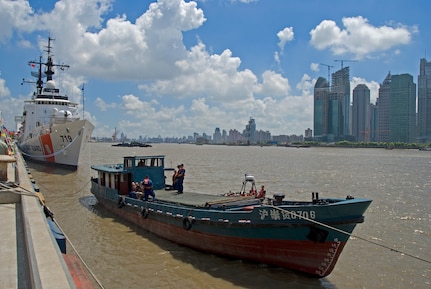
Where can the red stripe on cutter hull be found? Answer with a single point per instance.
(47, 147)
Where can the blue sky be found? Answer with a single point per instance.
(174, 67)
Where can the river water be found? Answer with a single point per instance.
(122, 255)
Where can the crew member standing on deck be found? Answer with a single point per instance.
(174, 178)
(148, 188)
(261, 193)
(180, 178)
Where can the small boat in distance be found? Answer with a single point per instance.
(132, 144)
(52, 130)
(305, 236)
(425, 148)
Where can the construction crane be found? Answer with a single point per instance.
(344, 60)
(329, 72)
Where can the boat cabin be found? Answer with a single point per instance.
(133, 169)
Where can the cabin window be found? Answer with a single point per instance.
(102, 178)
(156, 162)
(128, 163)
(115, 180)
(107, 180)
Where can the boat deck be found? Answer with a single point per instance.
(199, 199)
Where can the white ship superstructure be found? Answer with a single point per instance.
(52, 130)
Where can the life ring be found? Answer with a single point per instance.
(187, 223)
(144, 213)
(121, 202)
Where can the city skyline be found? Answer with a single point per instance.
(361, 109)
(248, 135)
(401, 113)
(174, 67)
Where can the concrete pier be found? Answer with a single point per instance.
(29, 254)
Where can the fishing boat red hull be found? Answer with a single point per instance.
(317, 259)
(302, 236)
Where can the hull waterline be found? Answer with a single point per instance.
(62, 145)
(304, 236)
(313, 258)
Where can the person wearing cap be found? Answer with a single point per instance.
(148, 188)
(180, 178)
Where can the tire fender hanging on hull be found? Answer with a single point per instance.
(187, 223)
(144, 213)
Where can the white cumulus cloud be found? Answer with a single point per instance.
(358, 37)
(285, 36)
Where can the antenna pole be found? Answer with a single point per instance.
(83, 103)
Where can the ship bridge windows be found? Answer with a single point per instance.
(46, 102)
(149, 162)
(132, 162)
(51, 90)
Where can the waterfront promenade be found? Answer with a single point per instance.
(29, 254)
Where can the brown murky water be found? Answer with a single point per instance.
(122, 255)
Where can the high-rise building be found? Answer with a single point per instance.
(341, 90)
(403, 109)
(308, 134)
(320, 123)
(332, 107)
(234, 136)
(250, 130)
(335, 118)
(373, 122)
(424, 101)
(383, 104)
(217, 136)
(361, 113)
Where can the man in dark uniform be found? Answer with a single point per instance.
(180, 178)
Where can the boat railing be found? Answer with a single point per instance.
(108, 193)
(226, 204)
(133, 202)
